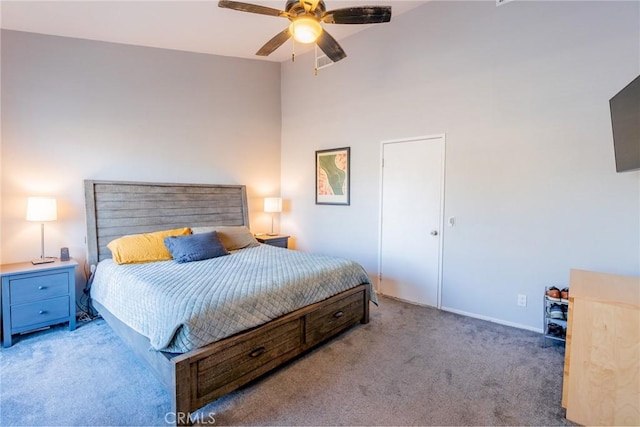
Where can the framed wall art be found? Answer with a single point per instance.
(333, 176)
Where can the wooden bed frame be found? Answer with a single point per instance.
(196, 378)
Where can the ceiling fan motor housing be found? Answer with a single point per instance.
(295, 8)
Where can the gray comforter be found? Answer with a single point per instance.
(181, 307)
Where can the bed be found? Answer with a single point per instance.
(204, 373)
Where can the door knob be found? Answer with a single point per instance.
(434, 233)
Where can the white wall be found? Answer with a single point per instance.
(76, 109)
(521, 92)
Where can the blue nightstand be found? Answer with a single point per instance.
(275, 240)
(35, 296)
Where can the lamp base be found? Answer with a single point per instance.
(272, 234)
(42, 260)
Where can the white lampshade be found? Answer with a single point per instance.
(42, 209)
(272, 204)
(305, 29)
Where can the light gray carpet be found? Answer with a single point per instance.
(410, 366)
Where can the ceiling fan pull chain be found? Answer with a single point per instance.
(293, 50)
(315, 69)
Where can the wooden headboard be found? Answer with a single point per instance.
(117, 208)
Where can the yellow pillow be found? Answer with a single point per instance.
(147, 247)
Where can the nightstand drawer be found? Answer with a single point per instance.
(37, 312)
(276, 240)
(281, 243)
(40, 287)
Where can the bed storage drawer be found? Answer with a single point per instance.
(252, 355)
(331, 319)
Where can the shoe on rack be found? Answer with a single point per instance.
(565, 311)
(555, 330)
(553, 294)
(564, 295)
(556, 312)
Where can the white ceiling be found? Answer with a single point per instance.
(195, 26)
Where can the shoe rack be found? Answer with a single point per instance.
(555, 315)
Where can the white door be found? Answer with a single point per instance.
(411, 227)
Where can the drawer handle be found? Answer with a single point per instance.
(338, 314)
(42, 287)
(43, 312)
(257, 352)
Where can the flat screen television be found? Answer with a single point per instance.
(625, 121)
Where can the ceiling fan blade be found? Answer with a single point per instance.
(358, 15)
(274, 43)
(253, 8)
(330, 47)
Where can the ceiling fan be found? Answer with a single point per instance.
(306, 16)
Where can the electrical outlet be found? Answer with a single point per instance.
(522, 300)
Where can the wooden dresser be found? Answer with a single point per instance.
(602, 359)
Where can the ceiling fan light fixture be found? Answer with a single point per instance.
(305, 29)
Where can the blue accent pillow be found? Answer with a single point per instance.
(195, 247)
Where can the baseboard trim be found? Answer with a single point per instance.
(406, 301)
(493, 320)
(467, 314)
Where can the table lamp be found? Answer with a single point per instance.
(272, 205)
(42, 209)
